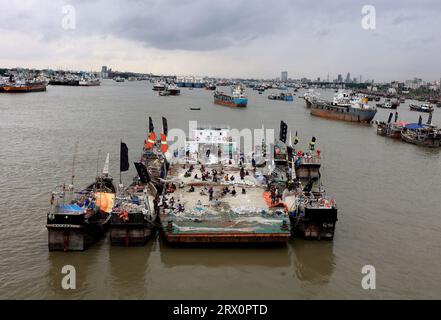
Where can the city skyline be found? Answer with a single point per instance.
(259, 42)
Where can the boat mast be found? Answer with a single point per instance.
(73, 162)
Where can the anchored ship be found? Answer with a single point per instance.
(236, 99)
(344, 107)
(426, 107)
(134, 216)
(426, 135)
(23, 87)
(89, 81)
(282, 97)
(389, 128)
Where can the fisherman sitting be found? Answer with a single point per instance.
(182, 185)
(199, 203)
(244, 191)
(202, 193)
(196, 177)
(187, 174)
(234, 192)
(192, 189)
(227, 178)
(232, 178)
(181, 208)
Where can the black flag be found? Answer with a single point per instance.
(124, 158)
(283, 131)
(420, 120)
(308, 186)
(429, 121)
(396, 116)
(151, 127)
(296, 139)
(390, 117)
(164, 126)
(143, 174)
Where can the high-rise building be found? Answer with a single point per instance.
(284, 76)
(340, 78)
(104, 73)
(348, 77)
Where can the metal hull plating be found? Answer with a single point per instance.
(342, 113)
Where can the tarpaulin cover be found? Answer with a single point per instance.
(70, 208)
(414, 126)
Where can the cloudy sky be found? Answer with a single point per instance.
(231, 38)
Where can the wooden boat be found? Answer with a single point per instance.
(134, 215)
(77, 219)
(391, 129)
(422, 134)
(195, 109)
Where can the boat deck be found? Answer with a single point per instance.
(227, 218)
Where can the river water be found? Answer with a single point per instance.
(388, 194)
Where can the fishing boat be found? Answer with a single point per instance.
(134, 215)
(236, 99)
(213, 196)
(426, 107)
(173, 89)
(195, 108)
(345, 106)
(136, 207)
(24, 87)
(426, 135)
(391, 129)
(316, 214)
(297, 176)
(386, 105)
(89, 82)
(119, 79)
(282, 97)
(210, 86)
(77, 219)
(159, 86)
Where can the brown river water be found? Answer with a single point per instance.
(388, 192)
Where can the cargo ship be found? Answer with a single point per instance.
(236, 99)
(77, 219)
(23, 87)
(344, 107)
(212, 196)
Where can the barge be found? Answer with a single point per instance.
(212, 196)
